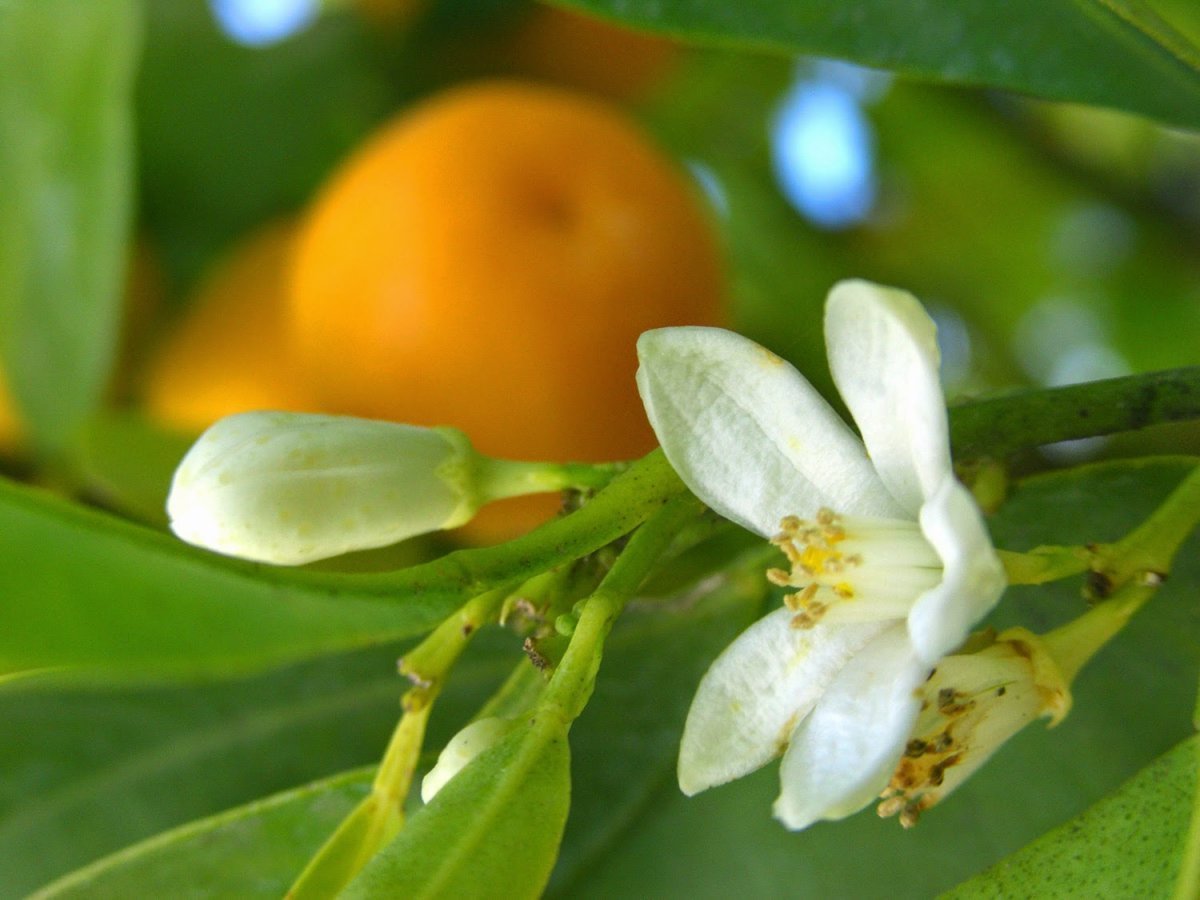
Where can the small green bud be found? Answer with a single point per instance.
(464, 747)
(290, 488)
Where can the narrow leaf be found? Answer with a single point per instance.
(90, 770)
(65, 201)
(492, 831)
(252, 851)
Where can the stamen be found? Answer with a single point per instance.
(884, 565)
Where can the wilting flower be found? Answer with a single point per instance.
(972, 704)
(289, 488)
(889, 556)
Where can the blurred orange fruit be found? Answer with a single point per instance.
(229, 353)
(589, 54)
(488, 261)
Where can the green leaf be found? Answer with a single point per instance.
(92, 590)
(66, 177)
(252, 851)
(1115, 53)
(90, 770)
(1132, 704)
(492, 831)
(1127, 845)
(95, 591)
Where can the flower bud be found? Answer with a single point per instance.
(464, 747)
(290, 488)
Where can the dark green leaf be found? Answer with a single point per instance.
(1128, 845)
(251, 851)
(66, 178)
(88, 770)
(1114, 53)
(492, 831)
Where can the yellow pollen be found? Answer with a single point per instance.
(779, 577)
(817, 564)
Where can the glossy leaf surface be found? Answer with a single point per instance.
(1116, 53)
(1128, 845)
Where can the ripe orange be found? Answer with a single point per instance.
(229, 353)
(488, 261)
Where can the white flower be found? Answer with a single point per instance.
(289, 488)
(889, 553)
(972, 704)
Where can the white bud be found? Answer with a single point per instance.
(464, 747)
(290, 488)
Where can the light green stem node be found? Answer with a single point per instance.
(1145, 554)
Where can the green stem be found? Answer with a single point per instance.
(439, 586)
(1145, 553)
(1073, 644)
(998, 426)
(573, 680)
(500, 478)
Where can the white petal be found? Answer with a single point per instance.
(289, 488)
(748, 434)
(972, 578)
(884, 358)
(844, 753)
(751, 698)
